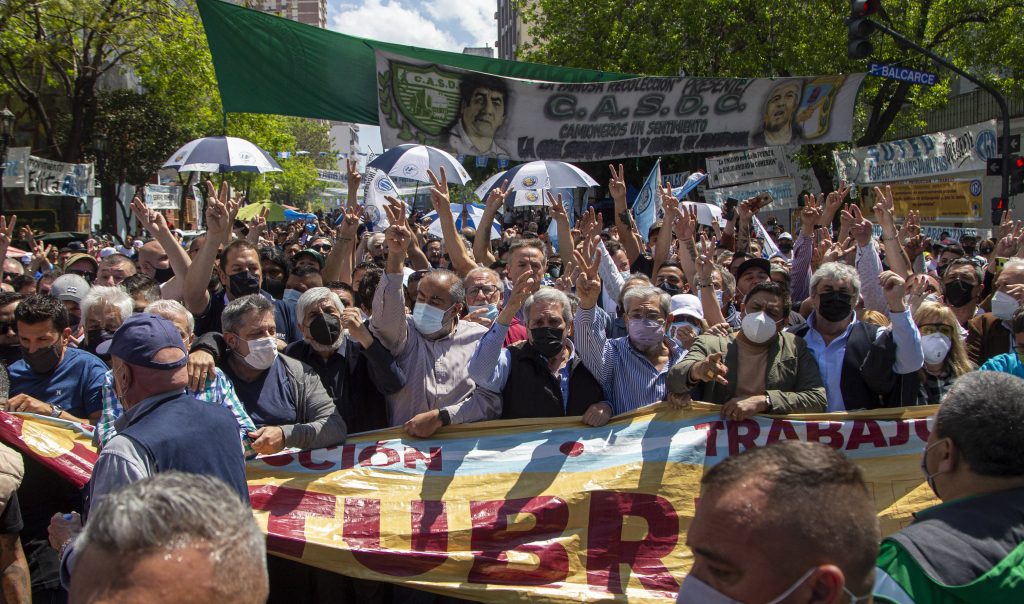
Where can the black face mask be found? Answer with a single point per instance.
(835, 306)
(547, 340)
(163, 275)
(325, 329)
(969, 250)
(43, 360)
(95, 337)
(941, 269)
(555, 270)
(274, 287)
(669, 289)
(244, 283)
(785, 247)
(959, 293)
(74, 321)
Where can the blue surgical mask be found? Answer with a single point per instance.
(428, 320)
(492, 310)
(625, 274)
(719, 295)
(292, 295)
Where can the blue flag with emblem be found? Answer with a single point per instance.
(647, 202)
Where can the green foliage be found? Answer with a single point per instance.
(141, 133)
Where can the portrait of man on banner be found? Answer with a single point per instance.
(483, 102)
(779, 126)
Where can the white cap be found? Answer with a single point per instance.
(107, 251)
(687, 305)
(786, 236)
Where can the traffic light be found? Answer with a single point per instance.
(859, 28)
(998, 207)
(1016, 175)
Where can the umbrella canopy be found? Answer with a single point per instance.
(64, 237)
(706, 212)
(542, 175)
(482, 191)
(472, 220)
(275, 211)
(221, 154)
(413, 161)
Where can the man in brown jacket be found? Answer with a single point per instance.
(759, 369)
(989, 335)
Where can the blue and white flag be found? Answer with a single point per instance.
(377, 186)
(648, 201)
(769, 249)
(691, 183)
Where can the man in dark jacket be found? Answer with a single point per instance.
(543, 376)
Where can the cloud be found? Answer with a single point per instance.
(442, 24)
(391, 22)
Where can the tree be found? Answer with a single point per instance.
(744, 38)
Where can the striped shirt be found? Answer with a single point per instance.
(629, 379)
(217, 391)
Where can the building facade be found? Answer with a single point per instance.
(310, 12)
(513, 32)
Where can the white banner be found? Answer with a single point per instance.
(163, 197)
(477, 114)
(15, 167)
(378, 185)
(56, 178)
(783, 190)
(947, 153)
(748, 166)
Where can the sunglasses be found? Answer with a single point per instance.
(942, 328)
(322, 247)
(6, 326)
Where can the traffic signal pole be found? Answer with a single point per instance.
(1000, 100)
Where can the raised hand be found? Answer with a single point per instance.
(686, 226)
(711, 368)
(557, 207)
(705, 267)
(915, 245)
(893, 286)
(497, 197)
(860, 226)
(398, 234)
(218, 216)
(810, 214)
(883, 207)
(567, 282)
(354, 177)
(521, 290)
(439, 194)
(1005, 225)
(6, 234)
(617, 183)
(588, 285)
(837, 251)
(350, 223)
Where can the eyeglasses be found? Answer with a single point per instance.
(8, 326)
(321, 247)
(87, 275)
(487, 290)
(8, 276)
(942, 328)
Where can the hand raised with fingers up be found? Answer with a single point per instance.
(439, 196)
(354, 177)
(617, 183)
(6, 234)
(350, 223)
(498, 196)
(557, 207)
(860, 226)
(523, 288)
(218, 211)
(685, 227)
(398, 234)
(151, 220)
(883, 208)
(588, 285)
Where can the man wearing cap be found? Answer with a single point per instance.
(308, 258)
(785, 244)
(687, 320)
(83, 265)
(70, 290)
(52, 378)
(758, 270)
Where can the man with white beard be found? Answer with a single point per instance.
(355, 369)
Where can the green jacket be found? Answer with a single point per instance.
(793, 382)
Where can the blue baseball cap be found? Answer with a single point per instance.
(141, 337)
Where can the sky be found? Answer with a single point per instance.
(441, 24)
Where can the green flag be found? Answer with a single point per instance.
(268, 64)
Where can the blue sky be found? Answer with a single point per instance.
(441, 24)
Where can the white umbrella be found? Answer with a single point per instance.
(221, 154)
(413, 161)
(482, 191)
(543, 175)
(473, 216)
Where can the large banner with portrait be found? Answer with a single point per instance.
(528, 510)
(476, 114)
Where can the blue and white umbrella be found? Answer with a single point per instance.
(472, 220)
(413, 161)
(539, 175)
(221, 154)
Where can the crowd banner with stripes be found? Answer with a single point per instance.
(546, 509)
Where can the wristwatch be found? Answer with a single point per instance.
(55, 411)
(444, 416)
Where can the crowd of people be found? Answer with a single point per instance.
(193, 355)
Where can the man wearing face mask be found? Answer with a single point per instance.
(1011, 362)
(760, 369)
(71, 290)
(104, 309)
(785, 244)
(632, 369)
(484, 296)
(791, 522)
(10, 350)
(967, 549)
(990, 335)
(53, 379)
(284, 397)
(433, 346)
(239, 270)
(355, 368)
(962, 283)
(543, 376)
(844, 346)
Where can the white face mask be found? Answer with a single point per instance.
(935, 347)
(1004, 305)
(695, 591)
(262, 353)
(758, 327)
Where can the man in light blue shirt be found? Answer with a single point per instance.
(1011, 362)
(846, 348)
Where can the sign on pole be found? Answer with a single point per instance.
(902, 74)
(163, 197)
